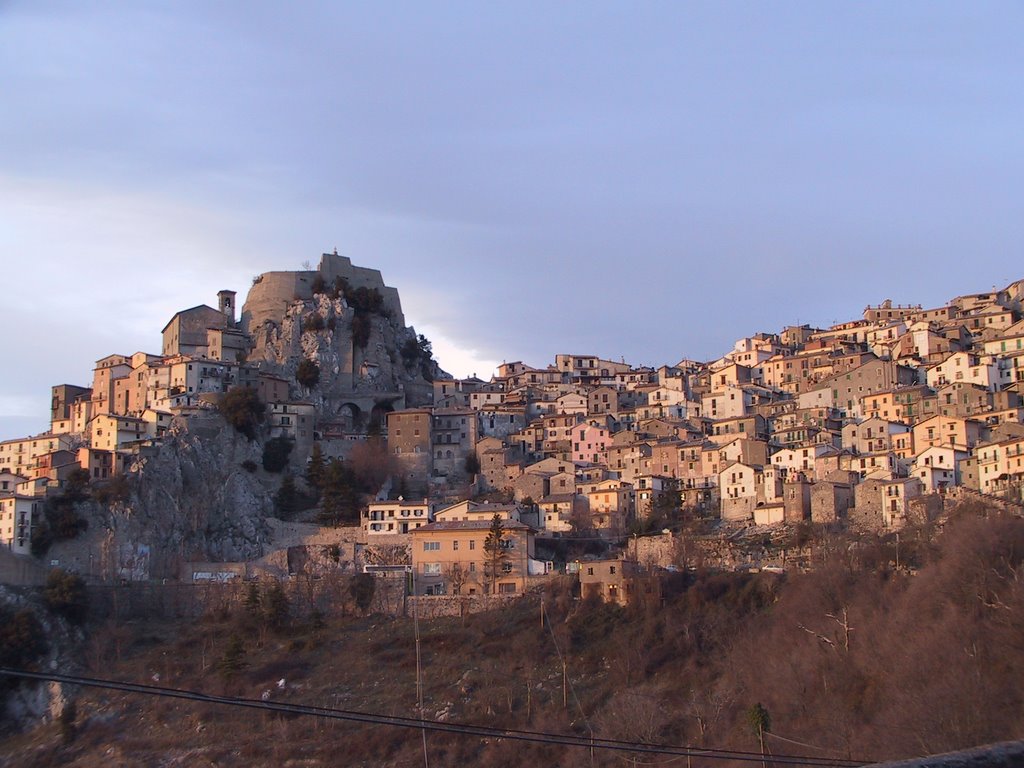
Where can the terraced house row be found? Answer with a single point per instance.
(868, 421)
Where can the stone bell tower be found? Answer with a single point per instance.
(226, 304)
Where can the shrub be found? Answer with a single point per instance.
(65, 595)
(22, 640)
(64, 520)
(243, 410)
(114, 490)
(318, 284)
(289, 499)
(276, 452)
(308, 373)
(340, 288)
(362, 588)
(42, 538)
(361, 331)
(61, 518)
(313, 322)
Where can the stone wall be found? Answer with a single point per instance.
(924, 509)
(19, 570)
(432, 607)
(332, 265)
(657, 551)
(961, 495)
(830, 501)
(738, 509)
(270, 296)
(867, 508)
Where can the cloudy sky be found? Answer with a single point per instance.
(647, 181)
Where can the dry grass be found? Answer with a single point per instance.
(930, 665)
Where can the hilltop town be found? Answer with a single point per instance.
(873, 424)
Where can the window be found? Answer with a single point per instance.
(431, 546)
(455, 545)
(472, 544)
(432, 568)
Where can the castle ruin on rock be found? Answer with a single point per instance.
(346, 320)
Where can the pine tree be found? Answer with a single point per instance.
(275, 606)
(316, 468)
(252, 600)
(341, 500)
(495, 552)
(760, 723)
(233, 661)
(286, 500)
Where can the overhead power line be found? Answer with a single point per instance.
(463, 729)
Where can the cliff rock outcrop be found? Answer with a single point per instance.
(190, 499)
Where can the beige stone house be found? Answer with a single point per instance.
(947, 430)
(937, 468)
(450, 558)
(185, 333)
(612, 505)
(18, 515)
(557, 511)
(395, 517)
(617, 580)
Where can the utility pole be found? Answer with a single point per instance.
(565, 687)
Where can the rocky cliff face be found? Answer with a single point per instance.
(25, 703)
(197, 498)
(189, 500)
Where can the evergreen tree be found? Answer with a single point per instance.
(252, 600)
(760, 723)
(233, 661)
(275, 606)
(287, 500)
(341, 500)
(315, 468)
(495, 552)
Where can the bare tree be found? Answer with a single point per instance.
(457, 576)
